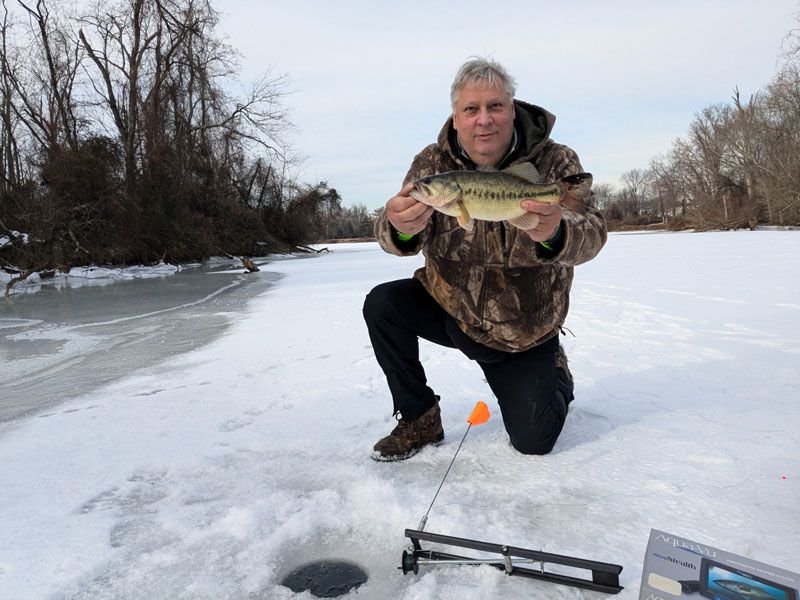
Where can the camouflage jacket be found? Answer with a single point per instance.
(501, 287)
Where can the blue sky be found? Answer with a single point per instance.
(371, 79)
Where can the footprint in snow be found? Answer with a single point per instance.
(234, 424)
(146, 488)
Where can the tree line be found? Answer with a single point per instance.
(122, 140)
(739, 165)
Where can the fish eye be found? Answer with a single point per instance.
(426, 180)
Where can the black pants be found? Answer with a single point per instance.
(532, 394)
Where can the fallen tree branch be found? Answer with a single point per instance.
(78, 247)
(246, 261)
(14, 280)
(310, 249)
(249, 264)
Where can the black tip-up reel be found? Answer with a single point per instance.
(604, 576)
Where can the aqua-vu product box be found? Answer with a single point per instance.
(675, 567)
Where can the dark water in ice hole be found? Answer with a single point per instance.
(326, 578)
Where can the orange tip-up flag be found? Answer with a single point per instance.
(480, 414)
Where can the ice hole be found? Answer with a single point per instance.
(326, 578)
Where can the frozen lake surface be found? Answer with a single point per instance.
(214, 473)
(60, 340)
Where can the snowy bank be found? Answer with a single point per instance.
(88, 275)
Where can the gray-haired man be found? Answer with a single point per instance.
(498, 294)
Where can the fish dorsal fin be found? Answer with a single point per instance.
(486, 169)
(524, 171)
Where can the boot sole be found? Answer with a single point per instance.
(377, 456)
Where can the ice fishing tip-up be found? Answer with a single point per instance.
(604, 576)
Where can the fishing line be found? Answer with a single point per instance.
(480, 414)
(425, 518)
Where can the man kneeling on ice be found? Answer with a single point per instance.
(494, 287)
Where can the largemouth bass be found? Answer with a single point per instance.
(496, 195)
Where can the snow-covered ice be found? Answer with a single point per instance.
(215, 473)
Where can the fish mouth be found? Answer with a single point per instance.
(424, 194)
(417, 195)
(420, 192)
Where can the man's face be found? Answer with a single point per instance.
(483, 117)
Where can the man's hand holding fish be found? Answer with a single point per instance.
(549, 219)
(407, 215)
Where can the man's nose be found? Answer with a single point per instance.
(484, 117)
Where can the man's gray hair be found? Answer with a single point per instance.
(482, 70)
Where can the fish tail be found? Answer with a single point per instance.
(577, 186)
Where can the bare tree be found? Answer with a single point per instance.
(780, 183)
(635, 190)
(663, 187)
(604, 195)
(744, 156)
(121, 40)
(42, 77)
(10, 169)
(62, 58)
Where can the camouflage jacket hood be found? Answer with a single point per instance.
(501, 287)
(532, 127)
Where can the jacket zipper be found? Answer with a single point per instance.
(501, 232)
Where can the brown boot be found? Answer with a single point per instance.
(409, 437)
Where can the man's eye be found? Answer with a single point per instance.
(470, 110)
